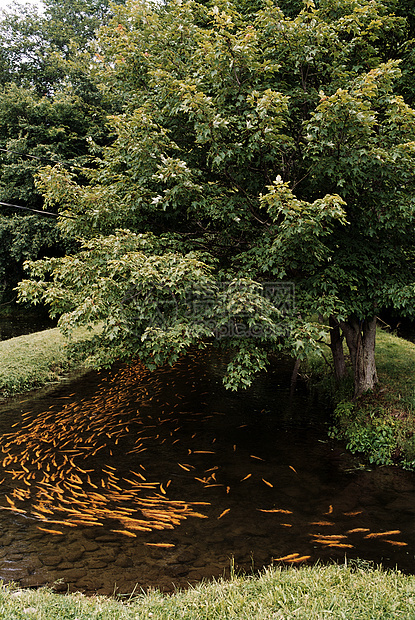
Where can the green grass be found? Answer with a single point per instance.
(307, 593)
(387, 416)
(395, 360)
(32, 361)
(381, 424)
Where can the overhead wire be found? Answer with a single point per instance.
(40, 212)
(13, 206)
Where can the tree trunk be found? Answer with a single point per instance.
(360, 338)
(336, 346)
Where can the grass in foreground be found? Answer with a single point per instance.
(32, 361)
(307, 593)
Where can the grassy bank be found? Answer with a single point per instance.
(308, 593)
(35, 360)
(381, 424)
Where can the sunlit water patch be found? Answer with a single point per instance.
(131, 478)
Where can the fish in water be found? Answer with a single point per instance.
(286, 557)
(222, 514)
(380, 534)
(280, 510)
(43, 529)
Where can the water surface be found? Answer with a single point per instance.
(20, 324)
(130, 479)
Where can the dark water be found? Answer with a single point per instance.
(99, 474)
(406, 330)
(22, 324)
(402, 327)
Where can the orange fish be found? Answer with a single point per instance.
(222, 514)
(286, 557)
(43, 529)
(281, 510)
(380, 534)
(329, 536)
(246, 477)
(13, 509)
(183, 467)
(267, 483)
(203, 452)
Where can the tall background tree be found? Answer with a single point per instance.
(50, 110)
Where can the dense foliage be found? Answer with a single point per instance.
(255, 146)
(50, 110)
(26, 238)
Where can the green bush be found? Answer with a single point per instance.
(366, 430)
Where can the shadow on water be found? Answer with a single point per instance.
(130, 478)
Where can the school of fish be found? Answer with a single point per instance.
(64, 467)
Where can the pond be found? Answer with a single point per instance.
(20, 324)
(129, 479)
(406, 329)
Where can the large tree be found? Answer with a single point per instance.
(253, 148)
